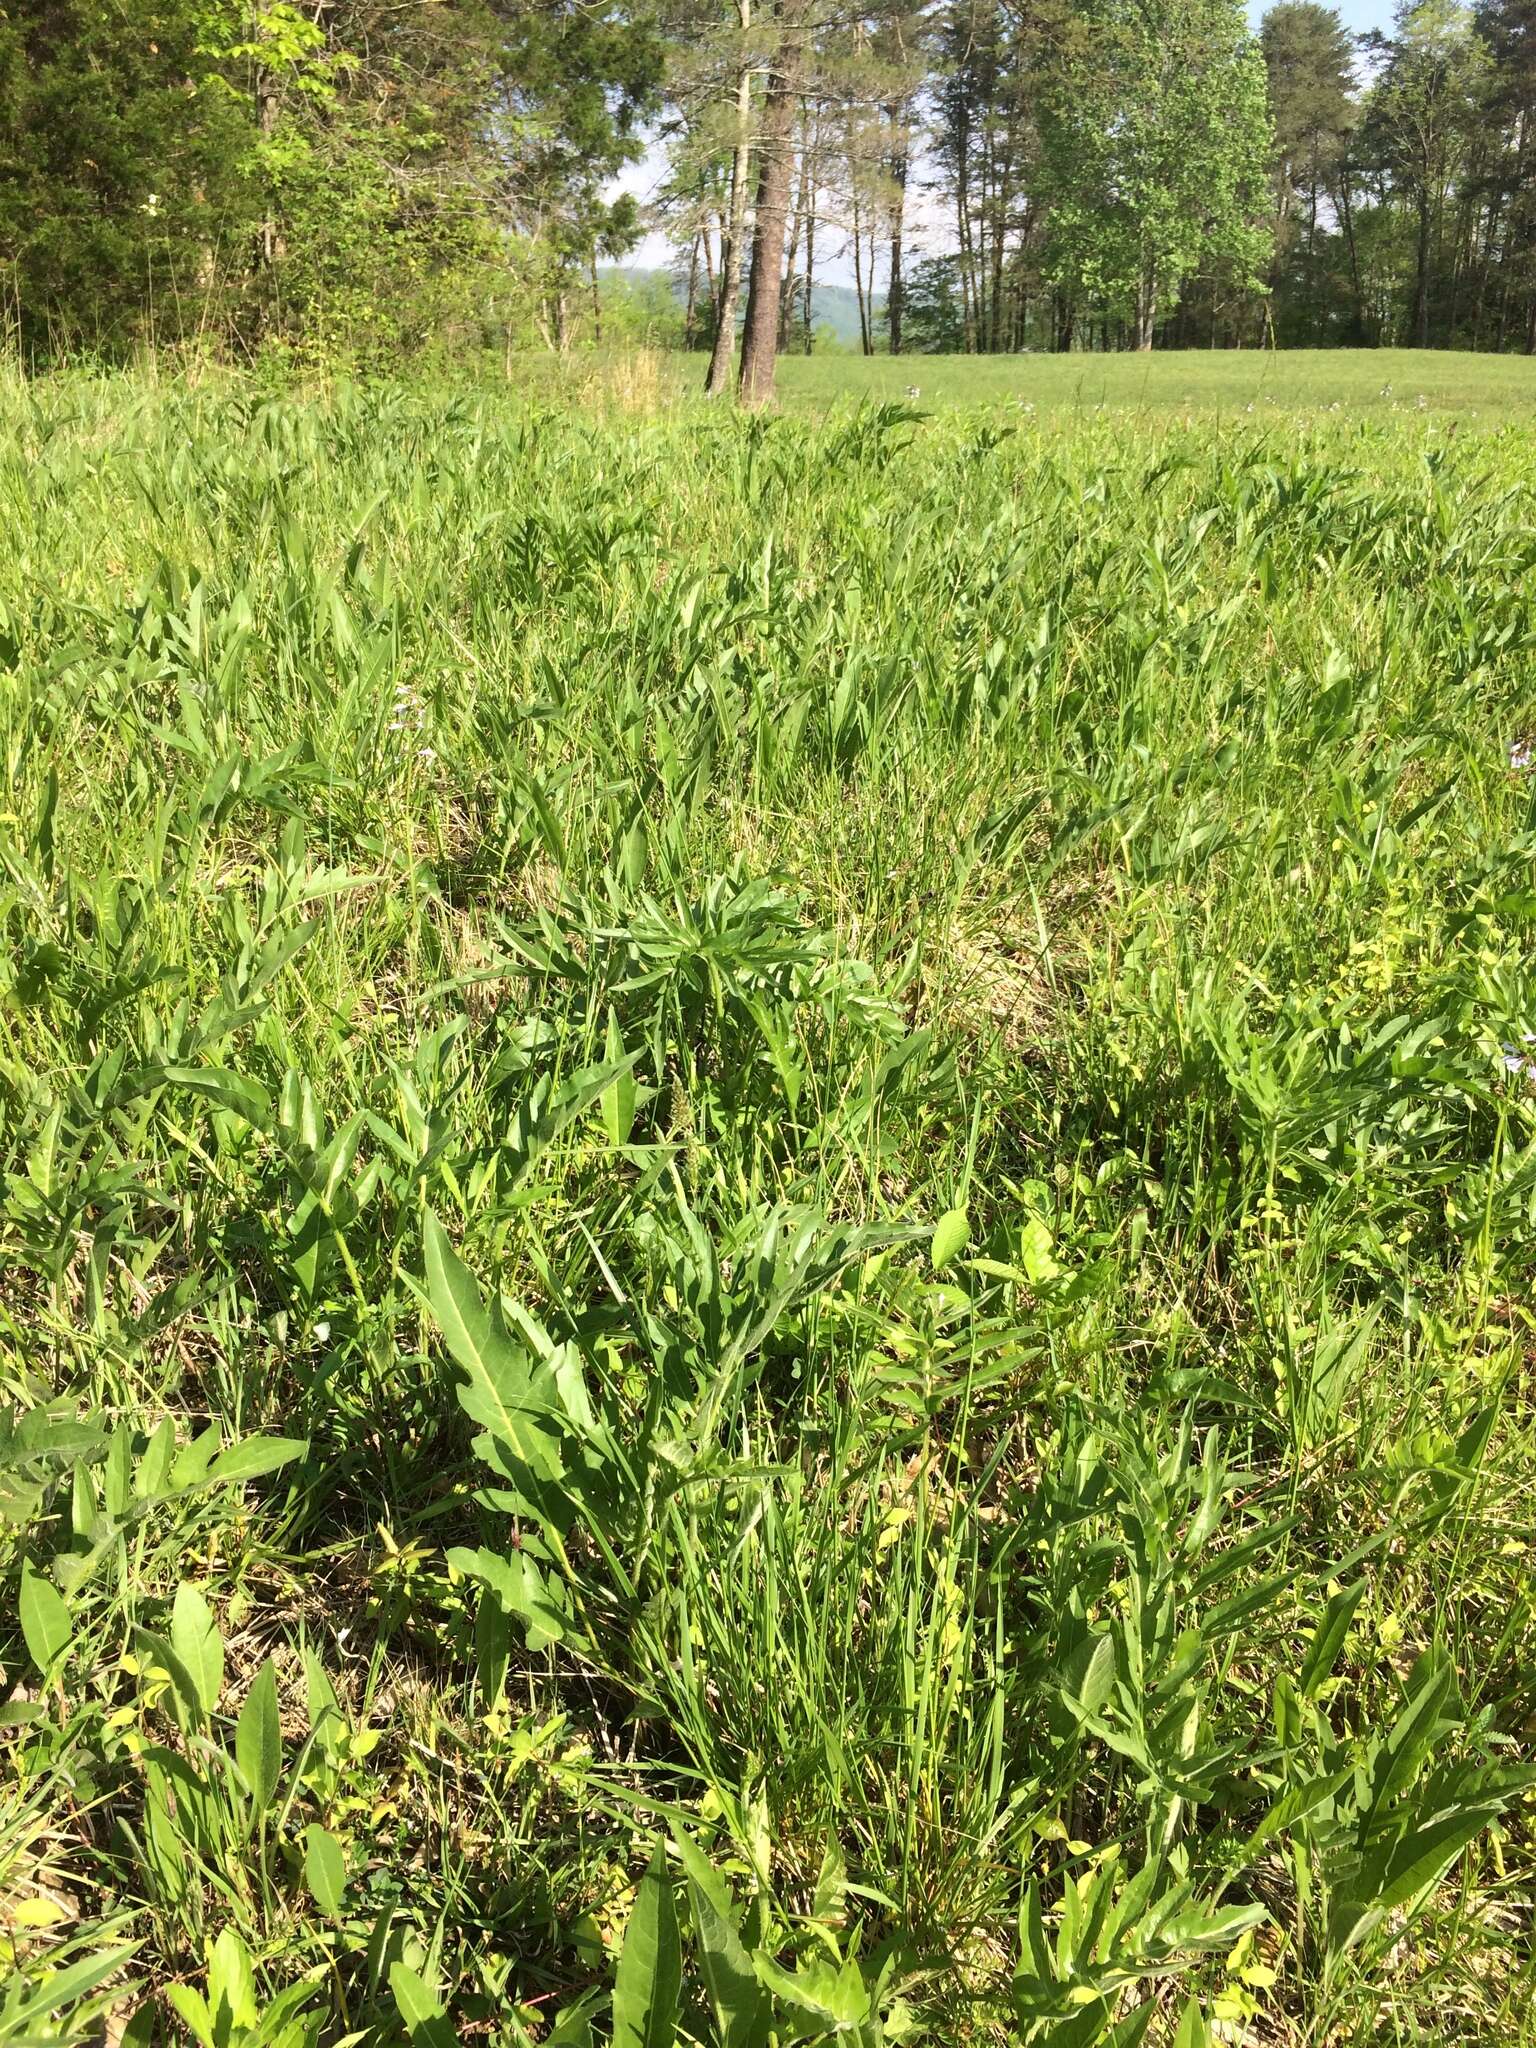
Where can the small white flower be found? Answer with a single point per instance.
(427, 753)
(1522, 756)
(322, 1331)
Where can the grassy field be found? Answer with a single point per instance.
(1167, 385)
(769, 1217)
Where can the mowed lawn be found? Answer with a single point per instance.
(1374, 382)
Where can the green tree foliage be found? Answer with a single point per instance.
(572, 80)
(124, 194)
(934, 312)
(1505, 284)
(1424, 115)
(1156, 138)
(1309, 60)
(995, 60)
(357, 177)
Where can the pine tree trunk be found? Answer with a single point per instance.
(759, 359)
(858, 276)
(721, 356)
(893, 297)
(810, 271)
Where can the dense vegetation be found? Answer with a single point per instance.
(351, 178)
(360, 181)
(766, 1249)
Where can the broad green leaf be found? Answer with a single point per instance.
(1300, 1802)
(619, 1099)
(415, 2003)
(248, 1099)
(1210, 1927)
(951, 1235)
(259, 1740)
(254, 1458)
(829, 1903)
(523, 1590)
(741, 2004)
(497, 1392)
(192, 2007)
(1037, 1253)
(63, 1988)
(1415, 1734)
(1328, 1639)
(648, 1985)
(833, 1995)
(1193, 2031)
(198, 1646)
(325, 1869)
(420, 2009)
(153, 1472)
(1424, 1855)
(1089, 1676)
(45, 1624)
(231, 1984)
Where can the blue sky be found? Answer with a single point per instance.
(1357, 14)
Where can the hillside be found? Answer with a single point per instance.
(835, 306)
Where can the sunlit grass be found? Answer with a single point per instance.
(1346, 384)
(769, 1210)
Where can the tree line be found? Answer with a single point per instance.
(358, 177)
(372, 178)
(1120, 173)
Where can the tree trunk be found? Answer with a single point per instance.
(893, 297)
(1146, 309)
(269, 241)
(721, 356)
(759, 360)
(858, 275)
(1421, 273)
(597, 301)
(963, 233)
(810, 270)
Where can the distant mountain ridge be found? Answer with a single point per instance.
(832, 305)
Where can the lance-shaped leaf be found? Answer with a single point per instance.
(501, 1389)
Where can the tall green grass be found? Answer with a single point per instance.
(767, 1234)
